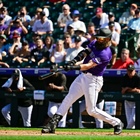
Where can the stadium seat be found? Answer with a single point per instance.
(58, 33)
(32, 64)
(81, 3)
(32, 11)
(109, 5)
(87, 16)
(24, 65)
(46, 64)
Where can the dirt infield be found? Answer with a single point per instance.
(37, 133)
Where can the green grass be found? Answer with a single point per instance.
(67, 138)
(104, 134)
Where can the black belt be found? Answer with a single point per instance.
(86, 72)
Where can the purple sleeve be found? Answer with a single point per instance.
(99, 56)
(100, 59)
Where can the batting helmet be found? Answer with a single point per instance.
(103, 33)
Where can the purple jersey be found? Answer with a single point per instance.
(3, 27)
(18, 29)
(100, 57)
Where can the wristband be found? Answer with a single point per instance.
(76, 67)
(73, 62)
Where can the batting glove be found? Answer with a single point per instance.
(71, 63)
(68, 67)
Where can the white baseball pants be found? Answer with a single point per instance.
(52, 109)
(26, 113)
(89, 86)
(130, 114)
(99, 123)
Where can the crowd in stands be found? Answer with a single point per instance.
(37, 40)
(56, 33)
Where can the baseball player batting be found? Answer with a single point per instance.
(96, 57)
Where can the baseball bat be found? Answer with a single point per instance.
(47, 75)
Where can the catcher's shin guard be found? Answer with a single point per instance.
(52, 124)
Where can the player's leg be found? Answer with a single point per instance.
(62, 122)
(6, 113)
(93, 86)
(52, 109)
(133, 115)
(130, 114)
(26, 113)
(127, 112)
(75, 92)
(99, 123)
(131, 123)
(82, 108)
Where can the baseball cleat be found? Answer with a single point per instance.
(47, 129)
(52, 124)
(118, 128)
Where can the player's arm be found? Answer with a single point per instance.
(76, 64)
(137, 90)
(90, 64)
(9, 90)
(27, 85)
(55, 87)
(82, 67)
(79, 62)
(81, 55)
